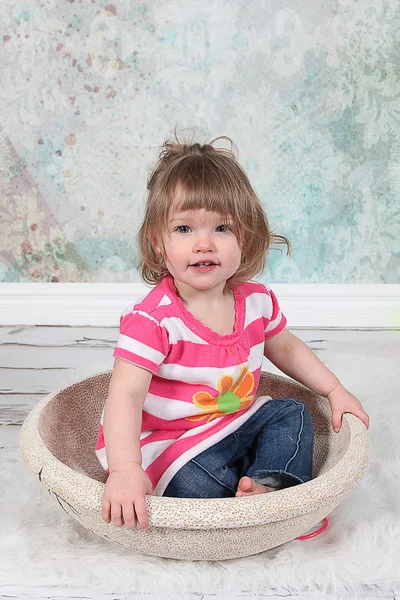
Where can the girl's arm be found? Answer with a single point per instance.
(123, 413)
(294, 357)
(124, 499)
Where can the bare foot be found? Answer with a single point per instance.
(248, 487)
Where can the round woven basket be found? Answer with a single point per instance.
(57, 442)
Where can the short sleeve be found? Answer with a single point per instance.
(274, 319)
(142, 340)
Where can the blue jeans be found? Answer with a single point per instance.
(274, 446)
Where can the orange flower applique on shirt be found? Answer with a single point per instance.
(233, 396)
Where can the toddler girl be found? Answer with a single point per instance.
(182, 416)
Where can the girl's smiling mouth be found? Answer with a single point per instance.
(203, 266)
(203, 263)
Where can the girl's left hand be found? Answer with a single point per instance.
(342, 401)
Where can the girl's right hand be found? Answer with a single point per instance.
(124, 498)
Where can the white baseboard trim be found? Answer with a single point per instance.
(100, 304)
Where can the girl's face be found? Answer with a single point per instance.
(200, 250)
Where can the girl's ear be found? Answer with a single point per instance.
(153, 241)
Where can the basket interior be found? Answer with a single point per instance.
(69, 422)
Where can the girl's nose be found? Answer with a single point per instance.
(204, 242)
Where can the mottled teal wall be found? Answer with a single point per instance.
(309, 92)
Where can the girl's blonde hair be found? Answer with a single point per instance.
(191, 176)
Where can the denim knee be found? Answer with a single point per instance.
(297, 406)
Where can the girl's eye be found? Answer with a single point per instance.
(227, 228)
(180, 227)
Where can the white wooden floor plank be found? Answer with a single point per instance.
(58, 336)
(27, 380)
(9, 436)
(16, 407)
(10, 453)
(28, 357)
(43, 381)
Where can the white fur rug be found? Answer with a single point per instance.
(357, 555)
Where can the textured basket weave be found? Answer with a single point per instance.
(57, 442)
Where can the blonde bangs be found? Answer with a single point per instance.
(197, 183)
(213, 182)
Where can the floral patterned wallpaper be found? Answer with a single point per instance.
(309, 92)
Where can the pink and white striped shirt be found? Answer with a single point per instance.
(204, 384)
